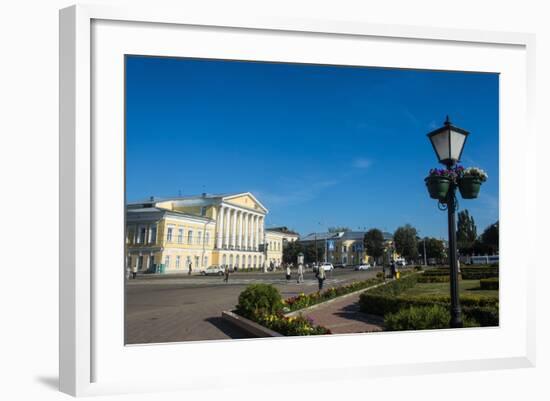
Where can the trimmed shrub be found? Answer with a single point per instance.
(477, 273)
(488, 283)
(437, 272)
(480, 309)
(418, 318)
(433, 279)
(259, 299)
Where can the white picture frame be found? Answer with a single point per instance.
(84, 349)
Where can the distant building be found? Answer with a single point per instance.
(347, 247)
(198, 231)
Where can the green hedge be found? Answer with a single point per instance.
(387, 299)
(488, 283)
(433, 279)
(477, 273)
(423, 317)
(437, 272)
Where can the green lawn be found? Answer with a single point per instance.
(465, 287)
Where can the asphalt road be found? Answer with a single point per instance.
(173, 308)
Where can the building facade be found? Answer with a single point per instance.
(347, 247)
(192, 233)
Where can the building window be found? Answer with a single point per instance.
(129, 235)
(180, 235)
(199, 237)
(177, 262)
(153, 234)
(207, 238)
(344, 249)
(255, 260)
(141, 235)
(169, 234)
(224, 260)
(249, 260)
(167, 261)
(188, 262)
(140, 263)
(203, 211)
(197, 260)
(231, 261)
(190, 237)
(206, 261)
(237, 261)
(151, 261)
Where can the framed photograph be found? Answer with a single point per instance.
(236, 187)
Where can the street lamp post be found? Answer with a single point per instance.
(448, 143)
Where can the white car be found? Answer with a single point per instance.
(327, 267)
(365, 266)
(213, 270)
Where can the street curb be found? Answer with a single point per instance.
(309, 308)
(248, 325)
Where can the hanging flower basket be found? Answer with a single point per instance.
(469, 187)
(438, 186)
(469, 182)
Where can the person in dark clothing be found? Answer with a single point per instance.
(321, 276)
(393, 270)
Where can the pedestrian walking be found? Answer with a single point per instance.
(300, 273)
(190, 268)
(226, 274)
(321, 276)
(287, 272)
(393, 270)
(134, 271)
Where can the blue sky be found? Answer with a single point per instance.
(318, 145)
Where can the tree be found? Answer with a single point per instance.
(291, 251)
(406, 243)
(374, 243)
(466, 233)
(490, 237)
(435, 248)
(337, 229)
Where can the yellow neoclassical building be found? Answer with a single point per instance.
(194, 232)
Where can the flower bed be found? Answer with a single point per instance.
(290, 326)
(304, 301)
(262, 304)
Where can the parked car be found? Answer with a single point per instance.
(327, 266)
(364, 266)
(340, 265)
(213, 271)
(401, 262)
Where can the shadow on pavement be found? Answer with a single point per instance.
(352, 312)
(227, 328)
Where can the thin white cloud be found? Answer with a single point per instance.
(306, 192)
(362, 163)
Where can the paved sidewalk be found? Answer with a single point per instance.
(343, 316)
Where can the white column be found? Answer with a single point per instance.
(262, 230)
(226, 228)
(220, 227)
(240, 235)
(255, 233)
(246, 220)
(234, 232)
